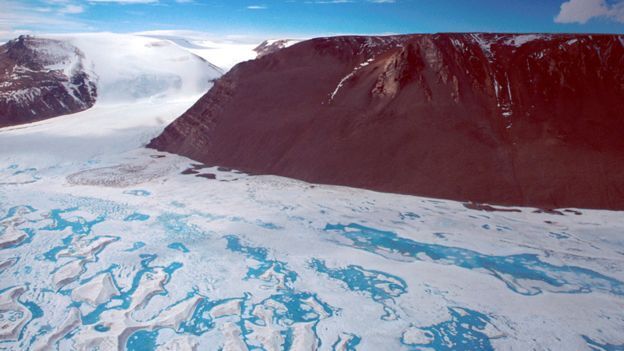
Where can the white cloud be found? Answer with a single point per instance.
(72, 9)
(125, 1)
(617, 12)
(348, 1)
(256, 7)
(330, 2)
(581, 11)
(17, 18)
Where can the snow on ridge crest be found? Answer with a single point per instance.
(519, 40)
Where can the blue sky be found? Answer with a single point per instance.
(306, 18)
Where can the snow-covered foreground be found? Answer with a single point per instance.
(107, 245)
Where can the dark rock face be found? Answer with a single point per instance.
(42, 78)
(534, 120)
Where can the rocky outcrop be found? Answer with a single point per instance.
(271, 46)
(42, 78)
(508, 119)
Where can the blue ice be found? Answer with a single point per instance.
(463, 332)
(525, 274)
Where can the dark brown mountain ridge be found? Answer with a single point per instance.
(42, 78)
(511, 119)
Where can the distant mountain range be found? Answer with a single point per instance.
(514, 119)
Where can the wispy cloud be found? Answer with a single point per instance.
(330, 2)
(17, 17)
(257, 7)
(348, 1)
(582, 11)
(43, 9)
(72, 9)
(124, 1)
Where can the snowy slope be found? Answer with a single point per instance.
(105, 129)
(223, 52)
(131, 68)
(273, 45)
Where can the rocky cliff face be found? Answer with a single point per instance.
(532, 120)
(42, 78)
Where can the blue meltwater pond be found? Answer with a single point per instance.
(143, 272)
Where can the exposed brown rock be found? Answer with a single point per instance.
(495, 118)
(42, 78)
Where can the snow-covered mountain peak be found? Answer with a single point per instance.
(133, 68)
